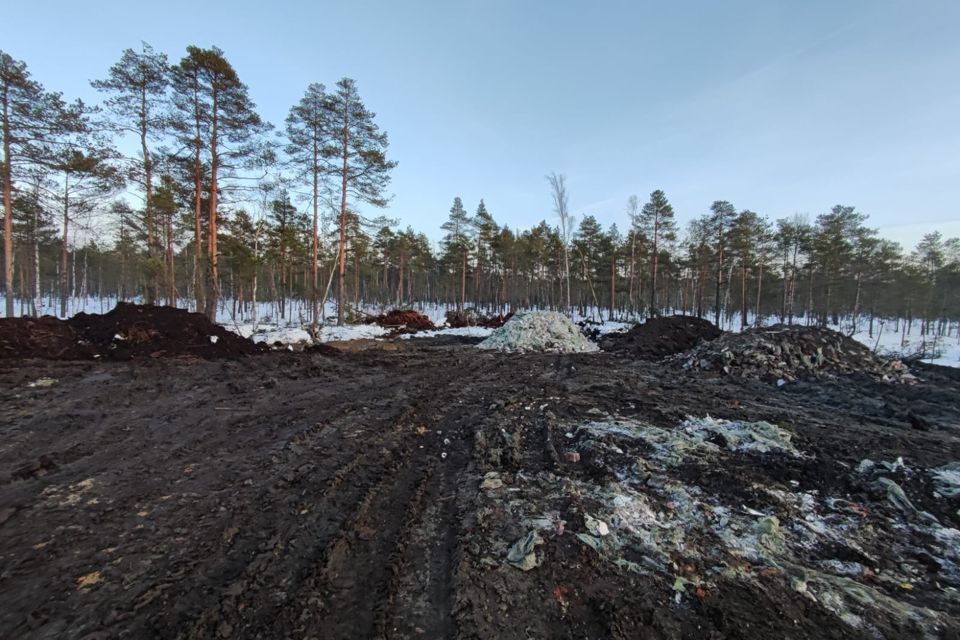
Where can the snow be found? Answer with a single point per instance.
(283, 336)
(470, 332)
(351, 332)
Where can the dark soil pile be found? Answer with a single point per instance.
(128, 331)
(660, 337)
(470, 318)
(45, 337)
(403, 321)
(787, 353)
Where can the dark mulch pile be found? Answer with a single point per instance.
(403, 321)
(471, 318)
(660, 337)
(128, 331)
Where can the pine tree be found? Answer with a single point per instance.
(459, 242)
(720, 221)
(35, 124)
(87, 178)
(656, 222)
(137, 85)
(357, 149)
(833, 249)
(561, 206)
(308, 130)
(217, 112)
(486, 231)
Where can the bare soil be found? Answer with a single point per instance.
(335, 494)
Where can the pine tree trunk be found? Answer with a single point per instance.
(213, 289)
(743, 295)
(343, 225)
(315, 250)
(64, 277)
(759, 316)
(153, 287)
(7, 206)
(463, 283)
(613, 286)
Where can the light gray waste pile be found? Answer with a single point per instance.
(539, 331)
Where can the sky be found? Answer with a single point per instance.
(777, 106)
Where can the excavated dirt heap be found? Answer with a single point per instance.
(403, 321)
(787, 353)
(470, 318)
(539, 331)
(660, 337)
(128, 331)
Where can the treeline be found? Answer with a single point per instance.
(227, 207)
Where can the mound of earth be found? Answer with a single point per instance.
(128, 331)
(470, 318)
(787, 353)
(660, 337)
(403, 321)
(539, 331)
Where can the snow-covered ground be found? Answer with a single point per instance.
(944, 350)
(471, 332)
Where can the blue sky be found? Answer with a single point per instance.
(777, 106)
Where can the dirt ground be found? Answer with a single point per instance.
(337, 494)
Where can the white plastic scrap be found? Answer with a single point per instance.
(754, 437)
(947, 479)
(539, 331)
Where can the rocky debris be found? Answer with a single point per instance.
(403, 321)
(491, 481)
(472, 318)
(660, 337)
(653, 506)
(539, 331)
(128, 331)
(782, 354)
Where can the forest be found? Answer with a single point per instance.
(173, 190)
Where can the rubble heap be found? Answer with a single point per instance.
(660, 337)
(787, 353)
(539, 331)
(128, 331)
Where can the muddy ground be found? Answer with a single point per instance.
(337, 494)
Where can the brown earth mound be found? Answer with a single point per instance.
(403, 321)
(470, 318)
(128, 331)
(660, 337)
(787, 353)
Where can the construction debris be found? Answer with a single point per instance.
(781, 354)
(539, 331)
